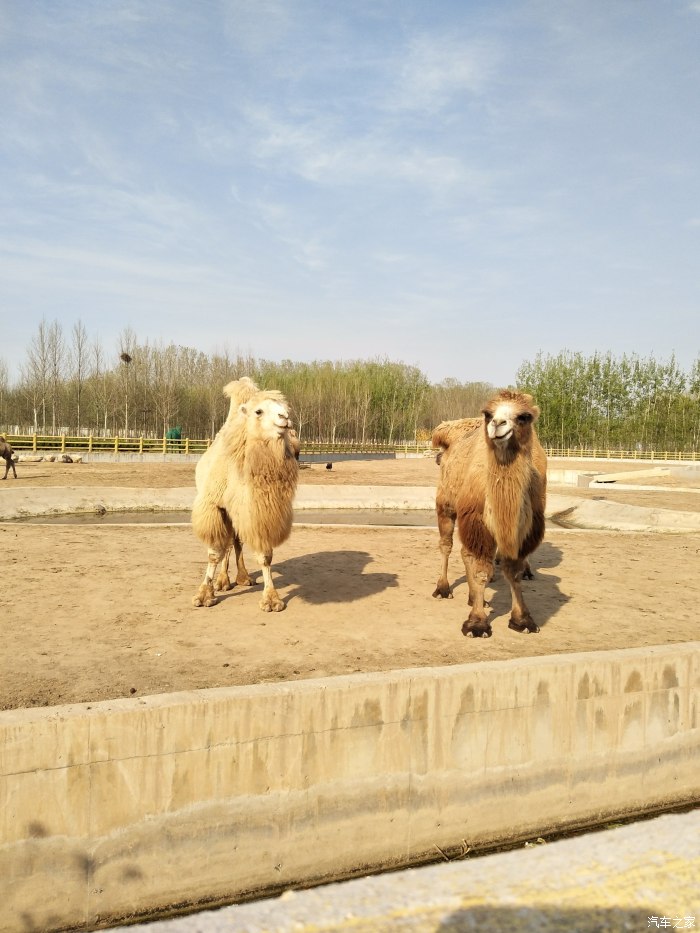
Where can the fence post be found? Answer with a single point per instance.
(63, 443)
(34, 443)
(141, 444)
(116, 444)
(90, 444)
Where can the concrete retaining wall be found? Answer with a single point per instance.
(119, 809)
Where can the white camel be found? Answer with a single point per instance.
(245, 484)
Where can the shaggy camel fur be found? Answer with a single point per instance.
(8, 455)
(245, 484)
(445, 436)
(493, 479)
(449, 437)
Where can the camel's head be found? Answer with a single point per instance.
(509, 418)
(266, 415)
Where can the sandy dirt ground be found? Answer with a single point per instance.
(99, 612)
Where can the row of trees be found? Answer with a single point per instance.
(69, 384)
(608, 402)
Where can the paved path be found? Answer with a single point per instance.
(636, 877)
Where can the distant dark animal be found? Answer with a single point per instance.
(329, 466)
(9, 456)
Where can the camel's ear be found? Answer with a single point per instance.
(243, 409)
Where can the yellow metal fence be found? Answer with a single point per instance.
(583, 453)
(64, 443)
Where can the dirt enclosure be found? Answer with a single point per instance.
(100, 612)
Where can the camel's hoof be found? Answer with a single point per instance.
(528, 574)
(476, 629)
(272, 605)
(526, 625)
(204, 597)
(442, 592)
(245, 581)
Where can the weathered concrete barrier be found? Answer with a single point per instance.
(120, 809)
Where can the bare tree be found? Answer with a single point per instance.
(36, 373)
(4, 386)
(127, 348)
(79, 365)
(101, 384)
(164, 383)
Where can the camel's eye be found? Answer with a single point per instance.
(487, 416)
(525, 418)
(258, 411)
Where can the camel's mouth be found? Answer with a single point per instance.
(503, 438)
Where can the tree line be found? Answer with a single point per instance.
(69, 384)
(606, 402)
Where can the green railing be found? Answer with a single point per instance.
(64, 443)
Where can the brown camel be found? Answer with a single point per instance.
(493, 479)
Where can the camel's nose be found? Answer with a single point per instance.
(498, 422)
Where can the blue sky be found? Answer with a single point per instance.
(457, 185)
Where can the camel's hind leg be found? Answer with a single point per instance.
(446, 527)
(243, 578)
(520, 618)
(205, 594)
(270, 601)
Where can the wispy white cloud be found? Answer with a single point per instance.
(255, 26)
(436, 70)
(323, 152)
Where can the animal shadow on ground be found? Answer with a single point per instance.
(331, 577)
(542, 595)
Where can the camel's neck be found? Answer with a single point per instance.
(508, 510)
(269, 462)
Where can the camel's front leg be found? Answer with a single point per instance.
(520, 618)
(270, 601)
(479, 573)
(446, 527)
(205, 594)
(223, 581)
